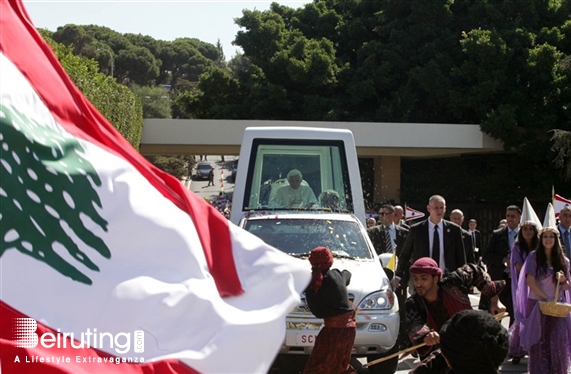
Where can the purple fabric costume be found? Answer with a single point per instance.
(517, 256)
(547, 339)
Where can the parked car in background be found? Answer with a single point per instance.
(234, 170)
(202, 170)
(369, 291)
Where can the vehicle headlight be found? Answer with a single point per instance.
(379, 300)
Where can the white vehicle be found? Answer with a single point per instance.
(327, 158)
(369, 290)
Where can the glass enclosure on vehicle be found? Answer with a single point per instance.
(298, 236)
(320, 165)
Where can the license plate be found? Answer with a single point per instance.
(301, 339)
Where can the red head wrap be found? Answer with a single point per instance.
(321, 260)
(425, 265)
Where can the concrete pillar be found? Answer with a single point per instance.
(387, 178)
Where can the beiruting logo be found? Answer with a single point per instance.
(26, 337)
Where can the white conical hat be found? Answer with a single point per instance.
(528, 215)
(549, 223)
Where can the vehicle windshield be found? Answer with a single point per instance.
(298, 174)
(204, 167)
(298, 237)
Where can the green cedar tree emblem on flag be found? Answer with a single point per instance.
(47, 193)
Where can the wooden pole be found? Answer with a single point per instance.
(408, 350)
(498, 317)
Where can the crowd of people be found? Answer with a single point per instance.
(439, 265)
(221, 203)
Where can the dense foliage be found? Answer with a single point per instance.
(179, 166)
(156, 101)
(504, 65)
(116, 102)
(141, 59)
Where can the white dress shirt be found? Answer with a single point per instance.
(431, 225)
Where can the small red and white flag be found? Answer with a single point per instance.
(412, 214)
(559, 202)
(109, 265)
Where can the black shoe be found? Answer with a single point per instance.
(516, 360)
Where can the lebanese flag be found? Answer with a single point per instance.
(559, 202)
(109, 265)
(412, 214)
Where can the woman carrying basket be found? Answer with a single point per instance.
(547, 339)
(526, 241)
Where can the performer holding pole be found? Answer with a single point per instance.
(327, 298)
(437, 299)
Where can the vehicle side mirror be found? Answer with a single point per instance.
(390, 274)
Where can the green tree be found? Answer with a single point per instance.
(136, 65)
(221, 59)
(178, 166)
(217, 96)
(182, 59)
(562, 147)
(116, 102)
(504, 65)
(73, 35)
(156, 101)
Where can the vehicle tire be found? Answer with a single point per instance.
(385, 367)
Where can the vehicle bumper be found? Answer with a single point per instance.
(376, 334)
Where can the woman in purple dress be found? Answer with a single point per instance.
(547, 339)
(527, 240)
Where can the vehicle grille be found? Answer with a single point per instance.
(303, 308)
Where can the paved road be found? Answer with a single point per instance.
(222, 180)
(406, 365)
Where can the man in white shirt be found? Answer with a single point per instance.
(294, 195)
(497, 255)
(387, 237)
(444, 245)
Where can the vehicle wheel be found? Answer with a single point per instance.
(385, 367)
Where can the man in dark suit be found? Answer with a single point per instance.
(497, 256)
(457, 217)
(390, 238)
(476, 238)
(387, 237)
(443, 244)
(399, 218)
